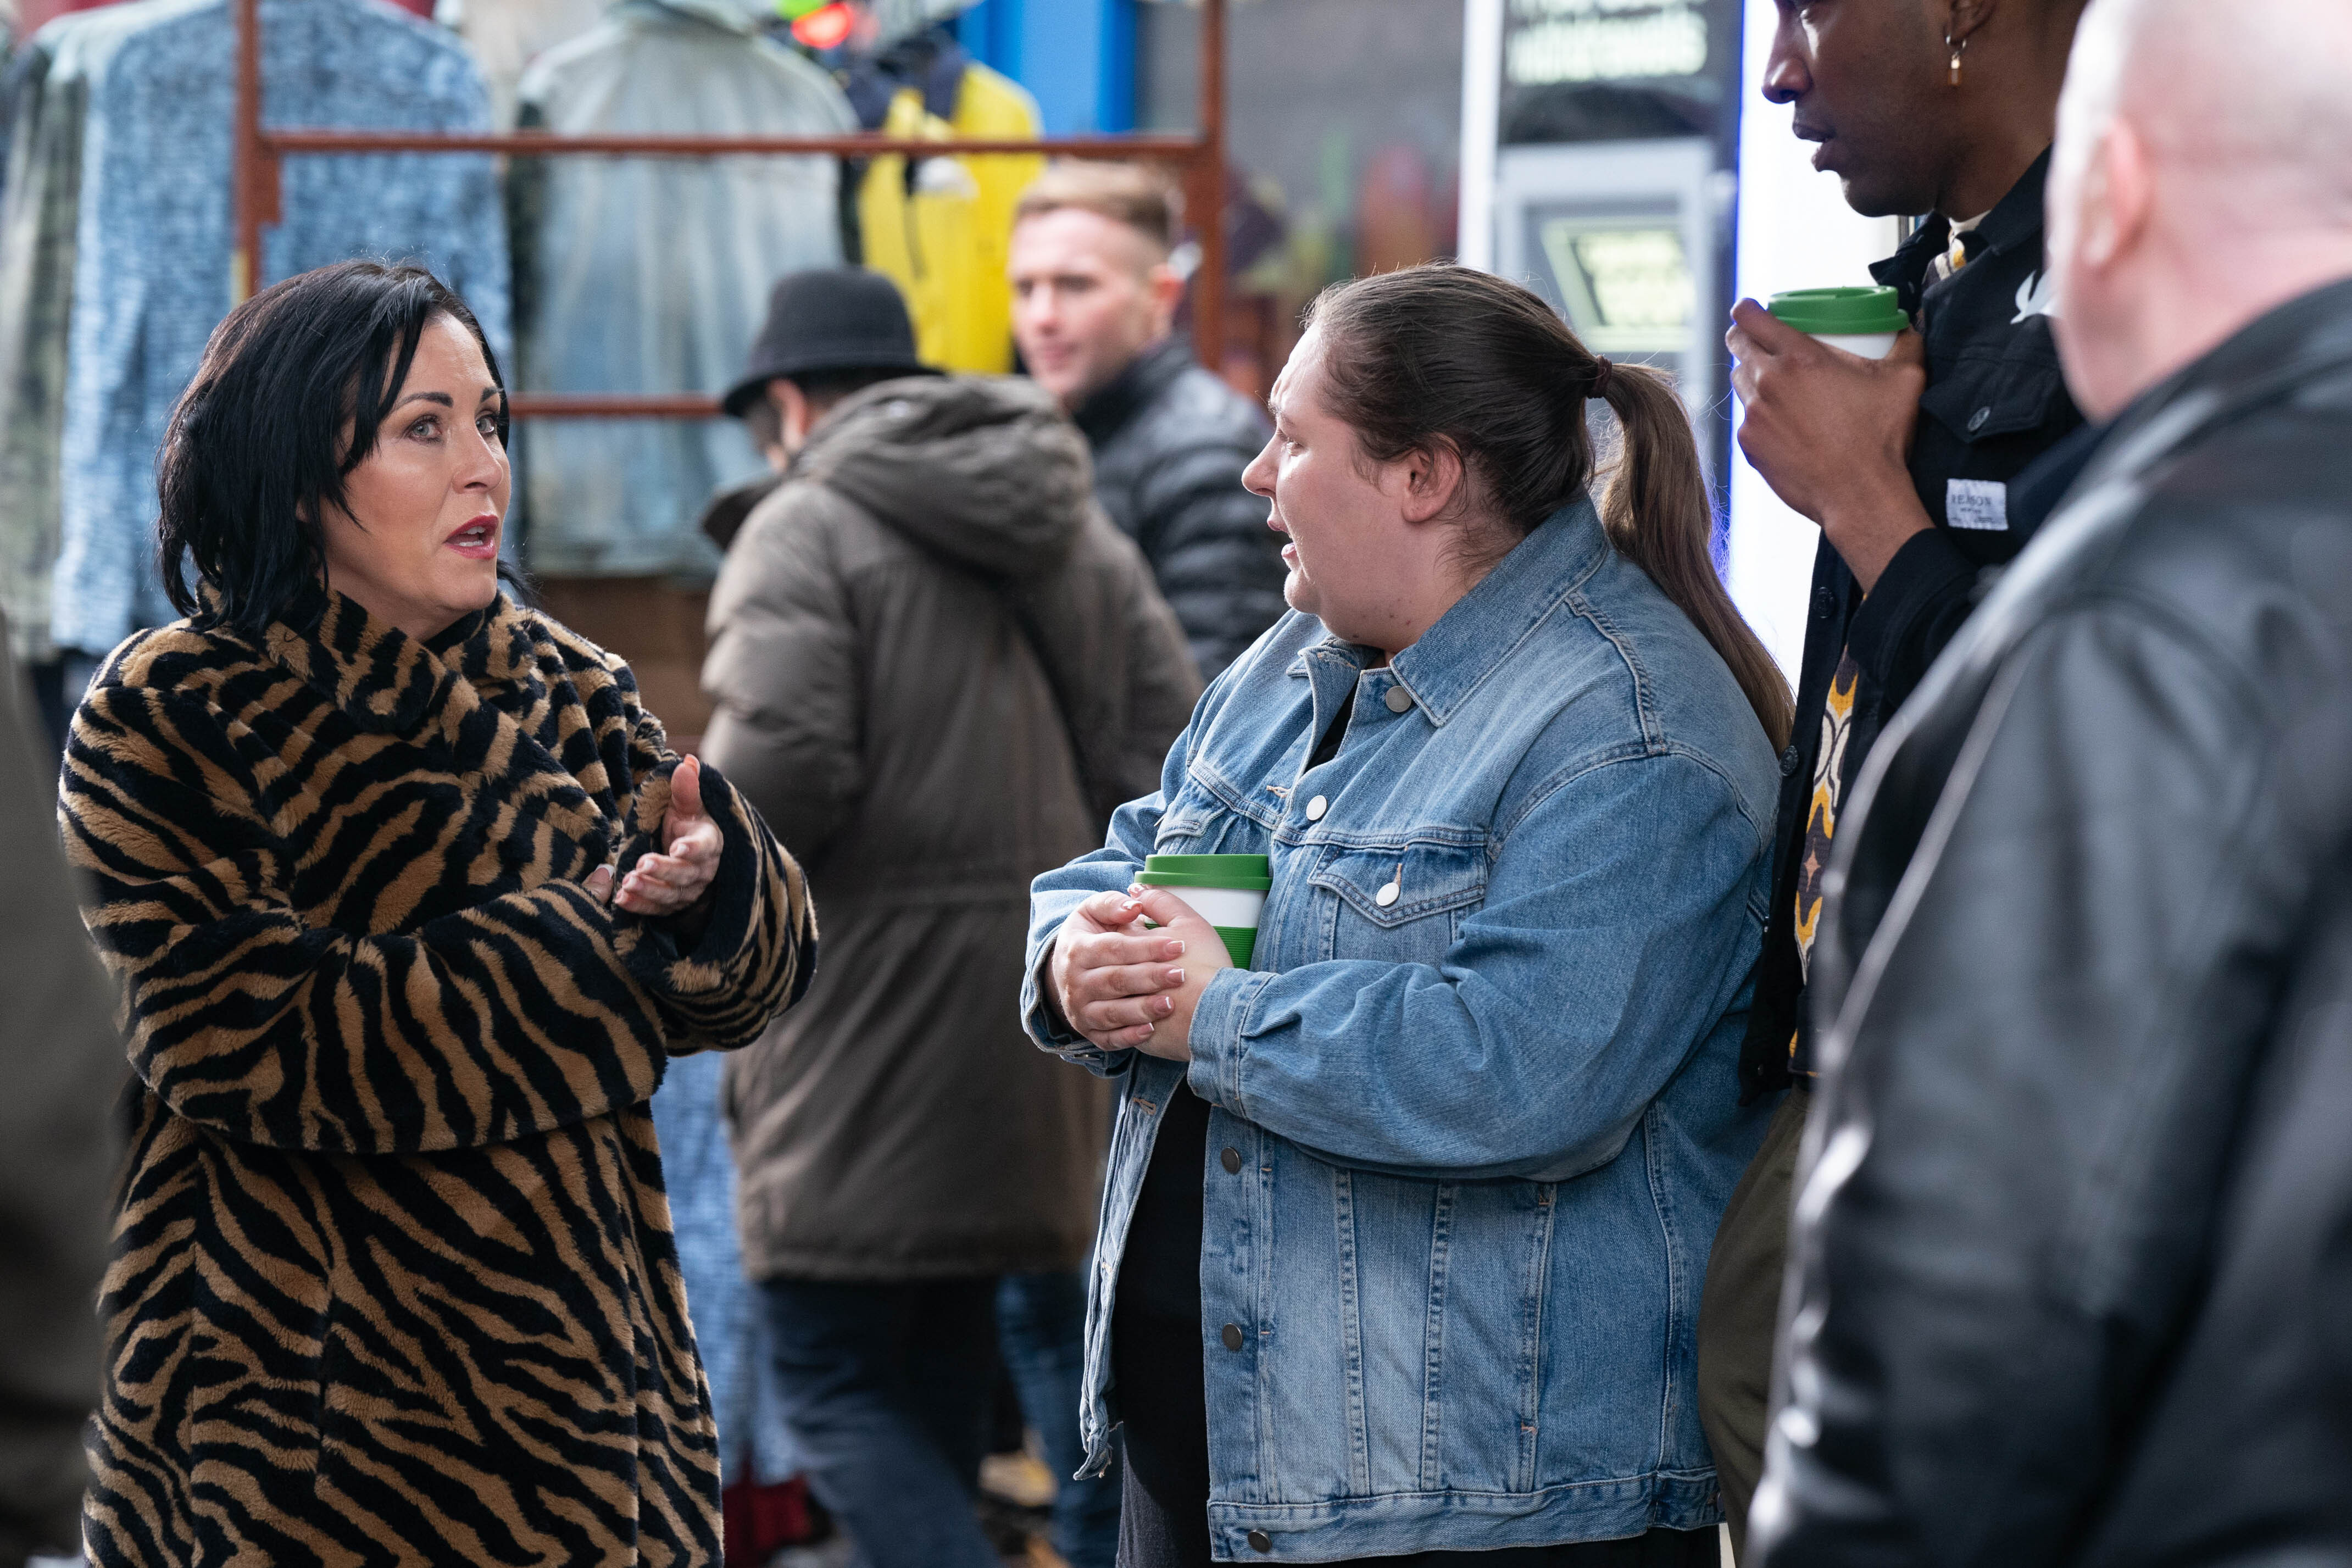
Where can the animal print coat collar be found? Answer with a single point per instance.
(387, 681)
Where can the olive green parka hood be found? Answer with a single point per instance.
(982, 469)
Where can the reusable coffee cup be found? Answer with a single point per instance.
(1226, 890)
(1860, 321)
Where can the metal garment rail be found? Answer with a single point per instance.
(259, 193)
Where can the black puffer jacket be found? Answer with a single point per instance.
(2075, 1214)
(1169, 444)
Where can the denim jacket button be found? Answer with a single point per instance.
(1390, 893)
(1232, 1161)
(1788, 761)
(1260, 1540)
(1317, 808)
(1398, 699)
(1232, 1337)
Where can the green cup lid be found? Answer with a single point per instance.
(1850, 313)
(1247, 873)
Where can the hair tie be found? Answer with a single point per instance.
(1604, 376)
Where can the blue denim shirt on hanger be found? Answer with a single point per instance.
(1485, 1126)
(651, 274)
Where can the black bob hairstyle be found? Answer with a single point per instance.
(258, 442)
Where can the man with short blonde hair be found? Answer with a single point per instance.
(1095, 291)
(1135, 195)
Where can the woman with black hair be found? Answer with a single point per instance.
(411, 903)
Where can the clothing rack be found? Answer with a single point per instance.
(260, 193)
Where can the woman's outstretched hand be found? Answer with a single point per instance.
(672, 882)
(1124, 988)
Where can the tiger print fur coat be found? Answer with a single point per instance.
(393, 1278)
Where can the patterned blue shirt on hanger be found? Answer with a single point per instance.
(152, 262)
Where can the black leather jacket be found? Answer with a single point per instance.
(1169, 444)
(2075, 1224)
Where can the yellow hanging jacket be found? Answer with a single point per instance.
(944, 240)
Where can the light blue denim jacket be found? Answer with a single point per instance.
(1484, 1129)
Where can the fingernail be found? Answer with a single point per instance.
(1175, 977)
(1175, 950)
(1163, 1005)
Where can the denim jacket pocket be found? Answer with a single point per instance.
(1405, 902)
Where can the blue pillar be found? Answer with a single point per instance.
(1077, 57)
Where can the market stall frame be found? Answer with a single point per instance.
(259, 199)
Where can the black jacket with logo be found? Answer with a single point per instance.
(1995, 402)
(2074, 1249)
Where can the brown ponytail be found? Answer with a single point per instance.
(1443, 353)
(1656, 512)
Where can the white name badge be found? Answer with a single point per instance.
(1981, 505)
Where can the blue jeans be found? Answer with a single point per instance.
(1043, 1329)
(887, 1389)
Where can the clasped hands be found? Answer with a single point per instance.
(673, 882)
(1123, 987)
(1831, 432)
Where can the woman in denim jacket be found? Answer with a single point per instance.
(1405, 1224)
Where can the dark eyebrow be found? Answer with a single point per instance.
(490, 394)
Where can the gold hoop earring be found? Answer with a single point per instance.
(1958, 50)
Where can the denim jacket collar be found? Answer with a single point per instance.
(1471, 640)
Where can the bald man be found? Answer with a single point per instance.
(2074, 1235)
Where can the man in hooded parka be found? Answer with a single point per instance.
(937, 668)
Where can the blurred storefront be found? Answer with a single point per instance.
(1599, 148)
(1343, 139)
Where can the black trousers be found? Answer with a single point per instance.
(1163, 1519)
